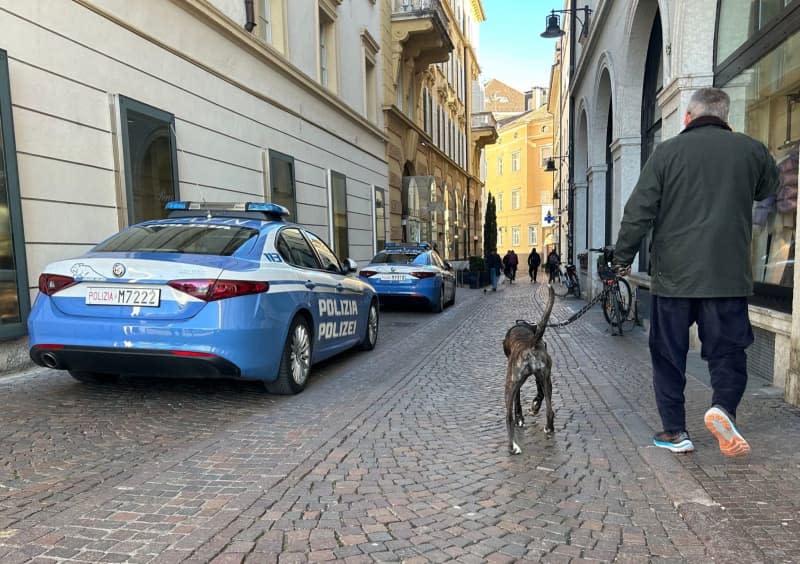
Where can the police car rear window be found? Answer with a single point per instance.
(222, 240)
(400, 258)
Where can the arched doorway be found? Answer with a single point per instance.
(651, 112)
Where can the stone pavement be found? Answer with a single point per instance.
(395, 455)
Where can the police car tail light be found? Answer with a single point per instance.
(423, 274)
(49, 284)
(368, 273)
(212, 290)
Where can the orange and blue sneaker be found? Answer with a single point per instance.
(674, 441)
(721, 425)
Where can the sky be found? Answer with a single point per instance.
(510, 47)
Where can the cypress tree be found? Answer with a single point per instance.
(490, 226)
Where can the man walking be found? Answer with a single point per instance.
(534, 260)
(494, 264)
(696, 193)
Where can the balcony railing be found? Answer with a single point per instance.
(483, 120)
(419, 8)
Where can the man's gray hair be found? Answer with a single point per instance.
(709, 102)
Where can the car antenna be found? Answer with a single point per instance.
(196, 183)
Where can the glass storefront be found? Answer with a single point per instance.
(13, 279)
(765, 104)
(741, 20)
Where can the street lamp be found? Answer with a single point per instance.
(553, 28)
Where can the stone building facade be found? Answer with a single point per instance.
(635, 65)
(433, 138)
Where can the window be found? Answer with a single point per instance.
(740, 20)
(515, 161)
(532, 235)
(192, 239)
(499, 202)
(760, 108)
(544, 197)
(327, 45)
(546, 153)
(295, 250)
(281, 182)
(371, 48)
(515, 236)
(14, 297)
(325, 254)
(499, 236)
(270, 26)
(150, 157)
(515, 199)
(380, 219)
(339, 214)
(500, 165)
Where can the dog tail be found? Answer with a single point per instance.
(542, 325)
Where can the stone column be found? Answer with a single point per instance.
(596, 191)
(791, 392)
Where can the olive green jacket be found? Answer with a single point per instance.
(696, 192)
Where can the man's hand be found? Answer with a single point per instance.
(621, 269)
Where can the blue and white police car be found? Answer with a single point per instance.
(214, 290)
(411, 272)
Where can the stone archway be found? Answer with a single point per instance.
(600, 175)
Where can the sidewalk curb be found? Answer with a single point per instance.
(725, 540)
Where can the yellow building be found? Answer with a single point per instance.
(434, 139)
(523, 190)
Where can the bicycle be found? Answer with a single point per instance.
(566, 281)
(617, 297)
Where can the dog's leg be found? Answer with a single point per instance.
(548, 394)
(512, 389)
(519, 419)
(536, 404)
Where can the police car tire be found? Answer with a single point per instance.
(438, 305)
(93, 377)
(453, 299)
(367, 344)
(285, 384)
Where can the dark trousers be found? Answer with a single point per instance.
(532, 270)
(725, 332)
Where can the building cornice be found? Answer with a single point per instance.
(266, 54)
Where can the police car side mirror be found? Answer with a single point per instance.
(350, 265)
(448, 266)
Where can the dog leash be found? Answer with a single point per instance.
(581, 311)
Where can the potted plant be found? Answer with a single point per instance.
(477, 272)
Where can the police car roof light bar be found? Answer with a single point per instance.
(395, 246)
(249, 210)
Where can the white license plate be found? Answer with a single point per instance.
(393, 277)
(143, 297)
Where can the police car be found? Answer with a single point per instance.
(215, 290)
(411, 272)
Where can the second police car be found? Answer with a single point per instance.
(216, 290)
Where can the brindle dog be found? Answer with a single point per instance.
(527, 354)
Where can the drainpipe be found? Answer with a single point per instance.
(250, 16)
(571, 173)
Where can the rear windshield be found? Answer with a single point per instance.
(419, 259)
(192, 239)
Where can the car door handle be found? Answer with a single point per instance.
(310, 285)
(339, 288)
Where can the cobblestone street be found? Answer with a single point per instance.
(396, 455)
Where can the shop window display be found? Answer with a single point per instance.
(765, 104)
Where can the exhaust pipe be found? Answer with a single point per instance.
(49, 360)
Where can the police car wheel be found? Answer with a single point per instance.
(93, 377)
(295, 361)
(438, 305)
(371, 333)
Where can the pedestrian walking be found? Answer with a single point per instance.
(534, 260)
(494, 264)
(510, 264)
(553, 260)
(696, 193)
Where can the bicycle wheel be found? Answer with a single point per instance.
(625, 297)
(613, 310)
(560, 286)
(576, 287)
